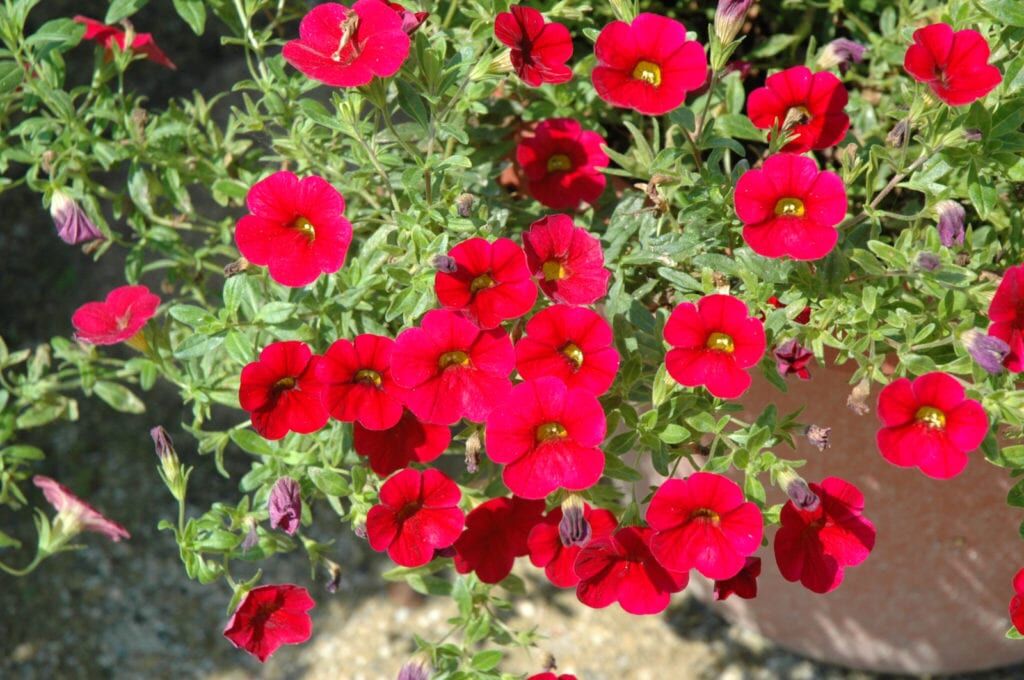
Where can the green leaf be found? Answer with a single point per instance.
(250, 442)
(23, 452)
(1014, 634)
(1006, 11)
(11, 75)
(8, 541)
(197, 345)
(738, 126)
(59, 34)
(119, 9)
(194, 14)
(486, 660)
(1016, 495)
(329, 481)
(119, 397)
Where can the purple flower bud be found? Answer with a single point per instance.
(951, 223)
(791, 358)
(359, 529)
(729, 18)
(802, 496)
(972, 134)
(73, 226)
(251, 538)
(285, 505)
(162, 443)
(988, 351)
(574, 529)
(820, 437)
(413, 670)
(928, 261)
(842, 52)
(445, 264)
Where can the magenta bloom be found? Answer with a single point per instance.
(743, 584)
(1017, 602)
(108, 36)
(496, 534)
(408, 441)
(539, 49)
(705, 523)
(1006, 317)
(418, 513)
(713, 342)
(271, 616)
(73, 225)
(789, 207)
(573, 344)
(74, 514)
(548, 437)
(118, 318)
(491, 281)
(280, 391)
(930, 424)
(285, 505)
(561, 164)
(357, 383)
(566, 260)
(647, 65)
(556, 552)
(346, 47)
(954, 64)
(811, 106)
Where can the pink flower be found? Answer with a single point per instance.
(280, 391)
(954, 64)
(75, 515)
(810, 106)
(539, 49)
(1017, 602)
(566, 260)
(561, 164)
(108, 36)
(118, 318)
(1006, 317)
(357, 384)
(271, 616)
(491, 282)
(743, 584)
(573, 344)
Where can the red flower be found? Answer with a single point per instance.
(743, 584)
(789, 207)
(930, 424)
(1017, 603)
(705, 523)
(406, 442)
(1006, 316)
(539, 49)
(552, 676)
(495, 535)
(647, 65)
(622, 569)
(271, 616)
(346, 47)
(561, 164)
(357, 382)
(107, 36)
(566, 260)
(573, 344)
(417, 514)
(548, 437)
(411, 21)
(281, 392)
(119, 317)
(549, 549)
(712, 343)
(74, 514)
(803, 317)
(810, 106)
(491, 281)
(954, 64)
(451, 368)
(296, 227)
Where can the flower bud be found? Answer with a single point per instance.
(414, 670)
(359, 529)
(729, 18)
(445, 264)
(464, 204)
(170, 467)
(285, 505)
(574, 529)
(73, 225)
(928, 261)
(951, 223)
(988, 351)
(972, 134)
(820, 437)
(251, 537)
(798, 491)
(841, 52)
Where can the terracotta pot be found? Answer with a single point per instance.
(933, 595)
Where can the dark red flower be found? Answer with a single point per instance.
(548, 437)
(566, 260)
(953, 63)
(930, 424)
(120, 316)
(789, 207)
(1006, 316)
(539, 50)
(491, 281)
(814, 546)
(647, 65)
(573, 344)
(281, 392)
(411, 21)
(451, 369)
(791, 358)
(108, 36)
(810, 106)
(550, 549)
(74, 514)
(285, 505)
(743, 584)
(409, 441)
(802, 318)
(496, 534)
(271, 616)
(357, 382)
(551, 676)
(561, 164)
(705, 523)
(346, 47)
(1017, 603)
(417, 514)
(621, 568)
(712, 343)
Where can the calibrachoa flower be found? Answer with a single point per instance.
(417, 514)
(347, 47)
(703, 522)
(647, 65)
(743, 584)
(930, 424)
(551, 676)
(120, 316)
(789, 207)
(285, 505)
(1006, 316)
(271, 616)
(573, 344)
(408, 441)
(356, 382)
(1017, 603)
(73, 225)
(491, 281)
(539, 49)
(713, 342)
(810, 106)
(281, 392)
(295, 227)
(566, 260)
(548, 437)
(791, 358)
(954, 64)
(75, 515)
(621, 568)
(411, 21)
(452, 369)
(561, 164)
(555, 550)
(107, 36)
(815, 546)
(496, 534)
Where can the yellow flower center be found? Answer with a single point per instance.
(306, 227)
(481, 282)
(284, 384)
(365, 375)
(706, 514)
(790, 207)
(549, 431)
(456, 358)
(931, 416)
(559, 162)
(647, 72)
(720, 342)
(554, 271)
(574, 354)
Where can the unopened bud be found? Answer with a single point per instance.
(170, 466)
(464, 204)
(988, 351)
(791, 358)
(799, 492)
(951, 223)
(359, 529)
(820, 437)
(162, 443)
(841, 52)
(928, 261)
(445, 264)
(474, 444)
(414, 670)
(972, 134)
(574, 529)
(251, 537)
(729, 18)
(73, 225)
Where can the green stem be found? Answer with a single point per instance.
(27, 568)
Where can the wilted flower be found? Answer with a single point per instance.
(473, 446)
(464, 206)
(841, 52)
(729, 18)
(951, 223)
(858, 399)
(74, 515)
(791, 358)
(334, 575)
(445, 263)
(972, 134)
(988, 351)
(73, 225)
(928, 261)
(820, 437)
(285, 505)
(573, 529)
(802, 496)
(899, 134)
